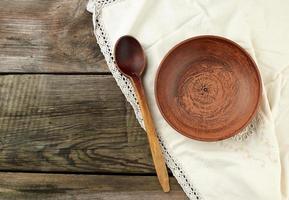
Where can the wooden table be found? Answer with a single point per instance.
(66, 131)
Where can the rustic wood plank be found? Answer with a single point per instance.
(22, 186)
(69, 123)
(48, 36)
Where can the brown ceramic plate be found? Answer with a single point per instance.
(208, 88)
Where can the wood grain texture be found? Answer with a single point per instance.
(61, 123)
(65, 123)
(48, 36)
(23, 186)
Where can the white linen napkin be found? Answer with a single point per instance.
(254, 165)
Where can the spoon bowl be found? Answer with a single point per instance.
(130, 57)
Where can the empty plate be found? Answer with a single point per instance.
(208, 88)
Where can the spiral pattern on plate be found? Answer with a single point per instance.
(203, 91)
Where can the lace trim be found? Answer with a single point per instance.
(127, 89)
(249, 130)
(180, 175)
(241, 142)
(103, 40)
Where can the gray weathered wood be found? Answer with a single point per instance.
(65, 123)
(22, 186)
(69, 123)
(48, 36)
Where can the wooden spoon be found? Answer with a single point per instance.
(130, 60)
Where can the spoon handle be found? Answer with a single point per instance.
(156, 152)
